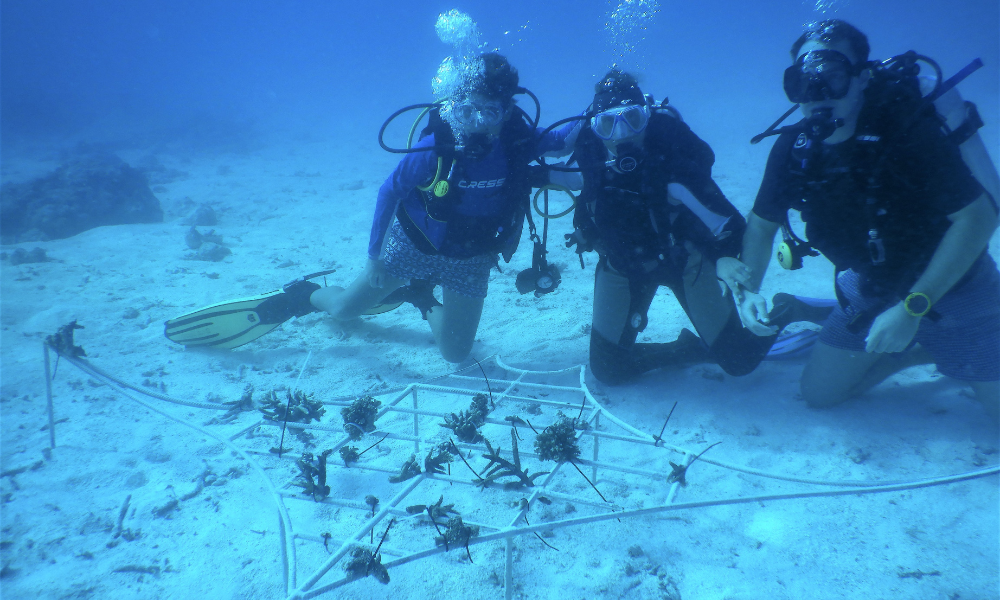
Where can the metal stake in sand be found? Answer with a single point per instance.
(281, 444)
(48, 396)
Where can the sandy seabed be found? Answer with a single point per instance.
(202, 516)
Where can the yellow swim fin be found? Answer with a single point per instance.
(237, 322)
(223, 325)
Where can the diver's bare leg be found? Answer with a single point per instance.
(890, 364)
(455, 323)
(988, 392)
(832, 374)
(350, 303)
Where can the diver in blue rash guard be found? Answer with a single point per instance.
(456, 201)
(426, 234)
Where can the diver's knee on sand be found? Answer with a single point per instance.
(455, 351)
(833, 374)
(455, 323)
(818, 396)
(988, 394)
(609, 362)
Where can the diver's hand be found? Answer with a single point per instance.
(753, 313)
(579, 240)
(892, 331)
(375, 272)
(734, 274)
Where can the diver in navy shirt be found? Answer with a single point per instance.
(890, 183)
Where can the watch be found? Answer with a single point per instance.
(917, 304)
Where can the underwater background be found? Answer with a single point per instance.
(207, 73)
(255, 123)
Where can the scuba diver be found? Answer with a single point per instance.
(650, 208)
(456, 200)
(898, 192)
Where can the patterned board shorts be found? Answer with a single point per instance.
(467, 276)
(965, 341)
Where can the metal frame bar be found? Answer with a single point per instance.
(310, 588)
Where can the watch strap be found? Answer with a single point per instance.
(921, 304)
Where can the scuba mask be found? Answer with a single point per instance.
(471, 116)
(472, 123)
(620, 122)
(820, 75)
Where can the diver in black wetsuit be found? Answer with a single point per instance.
(650, 208)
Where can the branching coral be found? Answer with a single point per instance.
(466, 424)
(244, 404)
(295, 408)
(366, 562)
(558, 442)
(409, 470)
(501, 467)
(457, 533)
(349, 454)
(679, 472)
(62, 341)
(437, 511)
(312, 476)
(437, 458)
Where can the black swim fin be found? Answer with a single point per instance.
(419, 293)
(786, 309)
(793, 345)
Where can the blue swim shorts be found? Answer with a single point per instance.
(965, 341)
(467, 276)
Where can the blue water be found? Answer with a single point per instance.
(262, 70)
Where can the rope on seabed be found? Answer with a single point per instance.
(284, 521)
(100, 373)
(540, 527)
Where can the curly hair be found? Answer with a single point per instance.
(500, 79)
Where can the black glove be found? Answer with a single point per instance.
(538, 175)
(579, 240)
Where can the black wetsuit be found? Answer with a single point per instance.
(899, 175)
(665, 223)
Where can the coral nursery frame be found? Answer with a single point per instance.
(408, 424)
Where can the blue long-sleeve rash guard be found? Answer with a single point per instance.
(481, 184)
